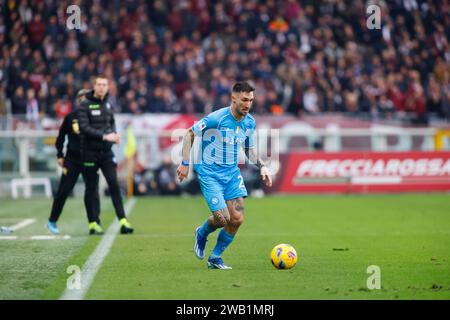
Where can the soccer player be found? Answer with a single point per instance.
(72, 167)
(98, 134)
(221, 182)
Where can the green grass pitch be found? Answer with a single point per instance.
(337, 238)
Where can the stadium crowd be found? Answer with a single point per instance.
(182, 56)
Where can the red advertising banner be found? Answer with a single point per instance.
(365, 172)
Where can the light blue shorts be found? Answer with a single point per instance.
(219, 188)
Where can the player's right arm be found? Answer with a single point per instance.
(183, 168)
(197, 129)
(252, 155)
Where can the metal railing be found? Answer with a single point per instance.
(25, 153)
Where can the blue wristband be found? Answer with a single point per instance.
(185, 163)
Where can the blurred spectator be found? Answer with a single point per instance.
(311, 100)
(317, 145)
(182, 56)
(397, 97)
(252, 178)
(3, 109)
(191, 103)
(144, 183)
(415, 99)
(435, 101)
(63, 107)
(36, 30)
(385, 107)
(166, 177)
(32, 114)
(19, 102)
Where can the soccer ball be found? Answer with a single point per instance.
(283, 256)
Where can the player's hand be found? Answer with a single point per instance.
(112, 137)
(60, 162)
(182, 172)
(265, 176)
(117, 141)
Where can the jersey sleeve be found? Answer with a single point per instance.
(208, 122)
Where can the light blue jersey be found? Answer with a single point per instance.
(222, 136)
(216, 160)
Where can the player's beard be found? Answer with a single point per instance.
(241, 111)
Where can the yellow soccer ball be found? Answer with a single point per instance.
(283, 256)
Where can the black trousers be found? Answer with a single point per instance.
(71, 171)
(93, 161)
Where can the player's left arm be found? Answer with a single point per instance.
(253, 157)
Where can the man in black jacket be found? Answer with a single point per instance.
(98, 134)
(72, 167)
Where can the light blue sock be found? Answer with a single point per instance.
(223, 241)
(205, 229)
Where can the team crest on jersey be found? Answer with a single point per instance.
(108, 105)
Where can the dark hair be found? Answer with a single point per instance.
(242, 87)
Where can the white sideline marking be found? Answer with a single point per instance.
(92, 265)
(8, 237)
(22, 224)
(376, 180)
(48, 237)
(45, 237)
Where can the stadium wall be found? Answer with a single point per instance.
(364, 172)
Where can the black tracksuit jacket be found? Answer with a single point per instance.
(95, 118)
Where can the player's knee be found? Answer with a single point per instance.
(238, 221)
(238, 206)
(221, 219)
